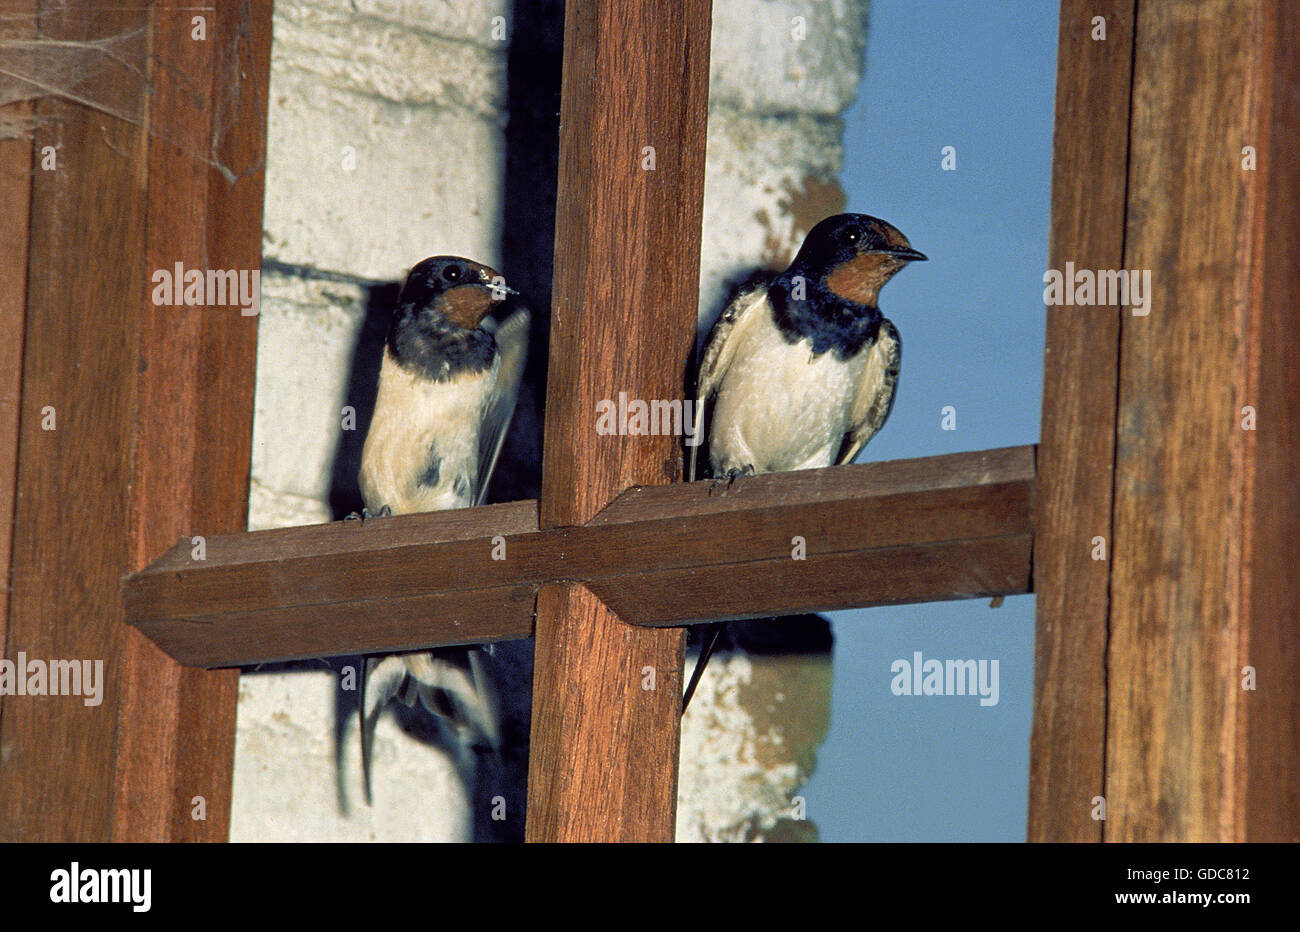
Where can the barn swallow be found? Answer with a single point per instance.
(800, 372)
(447, 388)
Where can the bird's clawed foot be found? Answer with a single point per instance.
(728, 478)
(365, 515)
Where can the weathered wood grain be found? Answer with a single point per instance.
(936, 528)
(1203, 512)
(86, 253)
(147, 400)
(15, 206)
(1076, 455)
(1268, 719)
(627, 253)
(620, 783)
(1200, 502)
(194, 423)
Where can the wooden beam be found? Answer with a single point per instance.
(153, 412)
(1076, 456)
(387, 584)
(942, 527)
(1206, 515)
(918, 530)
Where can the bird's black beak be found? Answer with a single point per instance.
(908, 254)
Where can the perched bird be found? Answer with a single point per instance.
(800, 372)
(447, 390)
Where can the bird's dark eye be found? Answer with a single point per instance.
(852, 235)
(451, 273)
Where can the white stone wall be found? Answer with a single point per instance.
(387, 144)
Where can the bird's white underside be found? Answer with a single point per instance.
(778, 407)
(411, 415)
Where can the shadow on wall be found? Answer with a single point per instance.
(532, 140)
(363, 385)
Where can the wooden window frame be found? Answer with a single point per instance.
(1139, 656)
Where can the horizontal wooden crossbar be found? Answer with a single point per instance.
(944, 527)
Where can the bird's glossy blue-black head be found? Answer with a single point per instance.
(460, 289)
(854, 254)
(435, 329)
(830, 291)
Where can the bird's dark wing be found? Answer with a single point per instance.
(512, 346)
(875, 396)
(728, 332)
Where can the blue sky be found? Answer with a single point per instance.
(980, 78)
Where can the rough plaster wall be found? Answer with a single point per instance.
(386, 145)
(417, 90)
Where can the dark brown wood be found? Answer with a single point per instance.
(577, 797)
(15, 206)
(71, 521)
(120, 476)
(909, 530)
(627, 252)
(386, 584)
(195, 421)
(1204, 510)
(782, 586)
(928, 529)
(1076, 456)
(1269, 718)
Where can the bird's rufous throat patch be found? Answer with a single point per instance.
(860, 279)
(466, 305)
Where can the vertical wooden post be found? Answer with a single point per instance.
(1268, 791)
(1077, 452)
(195, 423)
(153, 407)
(1206, 513)
(1175, 680)
(15, 207)
(607, 696)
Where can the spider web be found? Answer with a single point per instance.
(109, 74)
